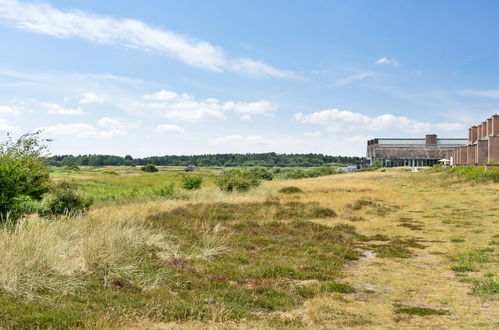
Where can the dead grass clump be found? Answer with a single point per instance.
(410, 223)
(290, 190)
(376, 207)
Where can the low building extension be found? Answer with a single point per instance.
(482, 145)
(427, 151)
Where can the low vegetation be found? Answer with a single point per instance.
(477, 173)
(213, 249)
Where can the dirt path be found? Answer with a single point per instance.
(448, 218)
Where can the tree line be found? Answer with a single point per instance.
(270, 159)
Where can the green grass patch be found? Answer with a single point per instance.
(421, 311)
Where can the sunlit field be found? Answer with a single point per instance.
(388, 249)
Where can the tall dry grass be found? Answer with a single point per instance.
(59, 256)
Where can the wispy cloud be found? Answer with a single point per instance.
(385, 60)
(346, 121)
(353, 78)
(43, 18)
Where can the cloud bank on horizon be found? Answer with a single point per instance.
(185, 95)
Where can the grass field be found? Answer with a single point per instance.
(384, 250)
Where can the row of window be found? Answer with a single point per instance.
(408, 162)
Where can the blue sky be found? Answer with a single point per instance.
(192, 77)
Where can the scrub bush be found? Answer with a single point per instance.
(24, 176)
(149, 168)
(235, 181)
(191, 182)
(64, 198)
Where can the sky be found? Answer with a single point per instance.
(163, 77)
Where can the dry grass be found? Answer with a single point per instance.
(429, 244)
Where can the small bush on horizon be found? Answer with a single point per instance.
(234, 181)
(149, 168)
(191, 182)
(64, 198)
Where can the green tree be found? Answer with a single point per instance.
(24, 176)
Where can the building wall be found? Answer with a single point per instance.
(483, 144)
(410, 152)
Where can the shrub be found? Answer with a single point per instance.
(72, 167)
(290, 190)
(149, 168)
(24, 176)
(64, 198)
(303, 173)
(168, 191)
(191, 182)
(232, 181)
(477, 173)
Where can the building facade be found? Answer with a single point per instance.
(425, 151)
(482, 145)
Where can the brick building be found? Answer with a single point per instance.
(482, 145)
(425, 151)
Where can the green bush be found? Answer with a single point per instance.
(287, 173)
(64, 198)
(234, 181)
(168, 191)
(24, 176)
(72, 167)
(477, 173)
(191, 182)
(149, 168)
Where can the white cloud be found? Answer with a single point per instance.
(256, 69)
(239, 139)
(79, 130)
(4, 127)
(312, 134)
(492, 93)
(170, 128)
(385, 60)
(345, 121)
(45, 19)
(251, 108)
(185, 107)
(90, 97)
(56, 109)
(106, 128)
(162, 95)
(9, 111)
(356, 77)
(246, 118)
